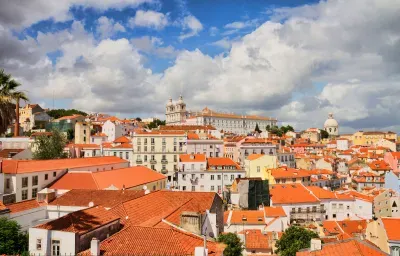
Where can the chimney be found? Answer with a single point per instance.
(315, 244)
(94, 247)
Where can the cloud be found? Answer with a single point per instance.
(213, 31)
(153, 45)
(191, 27)
(25, 13)
(234, 27)
(108, 27)
(223, 43)
(150, 19)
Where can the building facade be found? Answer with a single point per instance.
(82, 133)
(175, 112)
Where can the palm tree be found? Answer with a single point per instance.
(9, 94)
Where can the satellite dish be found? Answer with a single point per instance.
(91, 204)
(144, 187)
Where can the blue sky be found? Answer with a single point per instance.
(293, 60)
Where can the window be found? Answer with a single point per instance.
(175, 158)
(193, 176)
(25, 182)
(145, 148)
(258, 168)
(115, 153)
(145, 158)
(348, 207)
(193, 188)
(340, 206)
(334, 215)
(7, 183)
(212, 177)
(201, 176)
(34, 192)
(218, 177)
(192, 166)
(35, 180)
(46, 177)
(212, 188)
(225, 177)
(334, 206)
(294, 179)
(55, 247)
(219, 189)
(38, 244)
(126, 155)
(24, 194)
(183, 188)
(120, 155)
(232, 177)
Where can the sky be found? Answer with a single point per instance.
(293, 60)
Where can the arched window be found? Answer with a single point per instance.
(330, 129)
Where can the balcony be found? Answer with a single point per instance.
(164, 171)
(194, 181)
(305, 211)
(164, 161)
(139, 161)
(153, 161)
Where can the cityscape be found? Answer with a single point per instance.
(177, 128)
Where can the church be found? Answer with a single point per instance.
(331, 126)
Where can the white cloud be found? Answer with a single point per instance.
(191, 27)
(154, 45)
(108, 27)
(24, 13)
(213, 31)
(223, 43)
(234, 27)
(151, 19)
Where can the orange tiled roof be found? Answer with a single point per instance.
(186, 127)
(29, 166)
(284, 172)
(379, 165)
(5, 153)
(222, 161)
(192, 158)
(256, 240)
(392, 228)
(81, 221)
(106, 198)
(254, 156)
(23, 206)
(344, 229)
(193, 136)
(128, 177)
(291, 194)
(352, 247)
(69, 117)
(99, 135)
(208, 112)
(122, 139)
(249, 217)
(274, 211)
(135, 240)
(358, 195)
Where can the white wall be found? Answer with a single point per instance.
(363, 209)
(67, 241)
(29, 218)
(279, 225)
(210, 225)
(57, 211)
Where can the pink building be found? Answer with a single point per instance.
(299, 148)
(393, 159)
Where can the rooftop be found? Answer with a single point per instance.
(192, 158)
(82, 221)
(118, 178)
(284, 172)
(291, 193)
(23, 206)
(392, 228)
(8, 152)
(29, 166)
(222, 161)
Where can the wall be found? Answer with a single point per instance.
(67, 241)
(30, 217)
(211, 148)
(278, 224)
(392, 181)
(57, 211)
(376, 233)
(100, 233)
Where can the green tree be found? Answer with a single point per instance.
(257, 129)
(293, 240)
(9, 100)
(268, 128)
(287, 128)
(138, 119)
(57, 113)
(50, 147)
(70, 134)
(155, 124)
(234, 246)
(324, 134)
(12, 240)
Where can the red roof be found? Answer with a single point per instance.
(284, 172)
(344, 229)
(291, 193)
(256, 240)
(128, 177)
(81, 221)
(254, 156)
(9, 152)
(135, 240)
(274, 211)
(122, 139)
(29, 166)
(106, 198)
(352, 247)
(379, 165)
(192, 158)
(222, 161)
(248, 217)
(161, 133)
(392, 228)
(23, 206)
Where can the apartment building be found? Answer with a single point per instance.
(197, 173)
(159, 150)
(387, 203)
(23, 179)
(384, 233)
(208, 145)
(82, 132)
(256, 146)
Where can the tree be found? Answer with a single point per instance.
(257, 129)
(293, 240)
(50, 147)
(155, 124)
(9, 94)
(12, 240)
(70, 134)
(268, 128)
(287, 128)
(234, 246)
(138, 119)
(324, 134)
(57, 113)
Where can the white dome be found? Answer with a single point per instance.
(180, 101)
(331, 122)
(170, 102)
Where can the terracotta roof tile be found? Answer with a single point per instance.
(192, 158)
(106, 198)
(274, 211)
(222, 161)
(247, 217)
(256, 240)
(392, 228)
(81, 221)
(291, 193)
(122, 139)
(23, 206)
(254, 156)
(284, 172)
(186, 127)
(8, 152)
(28, 166)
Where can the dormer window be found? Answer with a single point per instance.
(244, 218)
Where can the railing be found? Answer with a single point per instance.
(164, 161)
(164, 171)
(139, 161)
(303, 211)
(153, 161)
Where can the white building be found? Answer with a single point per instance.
(175, 113)
(342, 144)
(112, 130)
(196, 173)
(210, 146)
(331, 126)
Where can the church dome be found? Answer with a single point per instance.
(180, 101)
(170, 102)
(331, 122)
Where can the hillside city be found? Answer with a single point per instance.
(185, 181)
(199, 127)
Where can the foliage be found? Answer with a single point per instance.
(57, 113)
(28, 133)
(155, 124)
(138, 119)
(50, 147)
(9, 135)
(287, 128)
(70, 134)
(12, 239)
(293, 240)
(92, 131)
(279, 131)
(234, 246)
(9, 94)
(268, 128)
(324, 134)
(257, 129)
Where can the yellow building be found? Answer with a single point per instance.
(371, 138)
(82, 133)
(284, 175)
(256, 164)
(383, 232)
